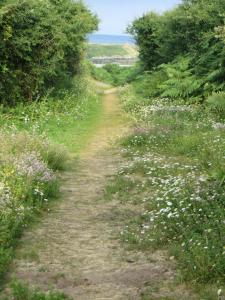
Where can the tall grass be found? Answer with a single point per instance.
(23, 292)
(27, 183)
(175, 172)
(37, 140)
(57, 116)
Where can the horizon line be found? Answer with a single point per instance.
(102, 33)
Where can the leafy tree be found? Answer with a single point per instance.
(195, 28)
(145, 32)
(41, 42)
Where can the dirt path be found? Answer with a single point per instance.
(74, 249)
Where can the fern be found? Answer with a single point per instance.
(181, 83)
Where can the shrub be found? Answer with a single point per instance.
(42, 43)
(114, 74)
(193, 28)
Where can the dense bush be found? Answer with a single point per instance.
(194, 29)
(41, 43)
(114, 74)
(173, 81)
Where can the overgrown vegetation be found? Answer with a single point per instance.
(23, 292)
(42, 44)
(175, 158)
(175, 174)
(114, 74)
(27, 183)
(193, 31)
(35, 139)
(47, 108)
(64, 118)
(175, 169)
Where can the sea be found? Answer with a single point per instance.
(110, 39)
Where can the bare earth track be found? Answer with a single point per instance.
(74, 249)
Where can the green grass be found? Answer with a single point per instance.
(95, 50)
(23, 292)
(69, 119)
(75, 131)
(37, 140)
(175, 174)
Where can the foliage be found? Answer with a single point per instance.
(114, 74)
(217, 103)
(27, 182)
(42, 42)
(148, 83)
(193, 28)
(181, 83)
(144, 30)
(34, 140)
(22, 292)
(175, 174)
(174, 81)
(100, 74)
(59, 117)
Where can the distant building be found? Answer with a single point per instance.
(120, 60)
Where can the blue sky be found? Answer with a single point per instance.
(115, 15)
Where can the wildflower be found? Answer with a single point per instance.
(5, 196)
(31, 165)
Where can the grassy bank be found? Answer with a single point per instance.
(37, 141)
(23, 292)
(96, 50)
(66, 118)
(175, 173)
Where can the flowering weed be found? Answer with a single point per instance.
(178, 155)
(27, 182)
(34, 140)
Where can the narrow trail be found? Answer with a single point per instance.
(74, 249)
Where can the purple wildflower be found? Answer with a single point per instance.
(31, 165)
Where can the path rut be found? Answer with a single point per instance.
(74, 249)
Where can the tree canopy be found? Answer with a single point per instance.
(195, 29)
(41, 42)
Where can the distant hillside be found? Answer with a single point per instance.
(96, 50)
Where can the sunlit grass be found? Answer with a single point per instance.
(175, 168)
(38, 140)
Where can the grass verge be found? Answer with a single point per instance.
(96, 50)
(23, 292)
(37, 140)
(175, 173)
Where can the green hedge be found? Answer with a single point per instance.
(42, 42)
(195, 28)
